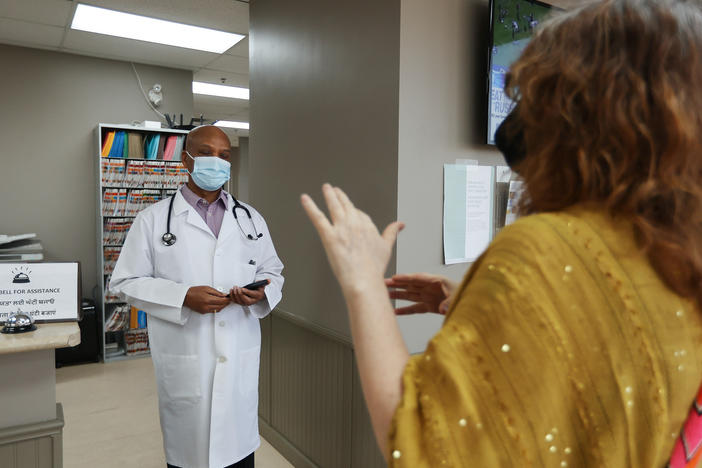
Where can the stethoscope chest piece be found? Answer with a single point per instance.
(168, 239)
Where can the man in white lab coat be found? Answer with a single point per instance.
(184, 262)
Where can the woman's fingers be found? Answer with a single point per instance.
(319, 220)
(444, 306)
(390, 233)
(414, 287)
(344, 200)
(336, 210)
(415, 278)
(405, 295)
(413, 309)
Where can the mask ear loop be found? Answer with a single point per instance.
(191, 157)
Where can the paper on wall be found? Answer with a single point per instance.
(468, 211)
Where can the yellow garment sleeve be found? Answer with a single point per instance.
(545, 360)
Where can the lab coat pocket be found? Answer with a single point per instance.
(248, 367)
(180, 378)
(249, 274)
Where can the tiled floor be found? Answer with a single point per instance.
(111, 414)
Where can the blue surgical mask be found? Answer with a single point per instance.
(210, 172)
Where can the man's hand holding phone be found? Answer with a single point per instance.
(205, 300)
(249, 294)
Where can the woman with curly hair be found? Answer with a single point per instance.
(576, 339)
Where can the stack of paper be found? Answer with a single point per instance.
(20, 248)
(516, 189)
(118, 319)
(137, 341)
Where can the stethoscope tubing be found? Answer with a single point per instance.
(168, 238)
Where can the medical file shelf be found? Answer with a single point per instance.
(136, 167)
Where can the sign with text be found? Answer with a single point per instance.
(48, 292)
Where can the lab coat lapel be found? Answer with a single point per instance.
(180, 205)
(229, 226)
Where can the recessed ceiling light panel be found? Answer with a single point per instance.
(212, 89)
(231, 124)
(116, 23)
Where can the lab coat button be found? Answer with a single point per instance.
(222, 359)
(221, 324)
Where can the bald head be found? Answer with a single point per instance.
(206, 135)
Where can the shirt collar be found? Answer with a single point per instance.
(192, 198)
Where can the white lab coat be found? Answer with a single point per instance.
(206, 365)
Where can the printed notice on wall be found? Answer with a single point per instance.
(48, 292)
(468, 211)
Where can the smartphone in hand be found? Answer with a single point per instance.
(256, 285)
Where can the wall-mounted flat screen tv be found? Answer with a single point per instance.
(512, 23)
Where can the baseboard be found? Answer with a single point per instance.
(283, 445)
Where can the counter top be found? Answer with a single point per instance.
(46, 336)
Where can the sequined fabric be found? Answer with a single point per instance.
(563, 348)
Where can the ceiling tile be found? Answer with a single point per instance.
(215, 76)
(52, 12)
(30, 34)
(230, 63)
(240, 49)
(219, 108)
(136, 51)
(224, 15)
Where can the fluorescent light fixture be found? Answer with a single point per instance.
(211, 89)
(231, 124)
(116, 23)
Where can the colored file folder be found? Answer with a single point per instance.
(107, 144)
(136, 145)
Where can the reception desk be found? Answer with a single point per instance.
(31, 421)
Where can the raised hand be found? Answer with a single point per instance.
(357, 252)
(430, 293)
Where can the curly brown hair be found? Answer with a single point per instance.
(610, 99)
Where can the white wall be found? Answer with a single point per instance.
(51, 105)
(443, 106)
(243, 173)
(324, 107)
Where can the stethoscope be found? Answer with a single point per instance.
(169, 238)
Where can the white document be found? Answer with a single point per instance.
(503, 174)
(516, 188)
(480, 184)
(468, 211)
(48, 292)
(455, 179)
